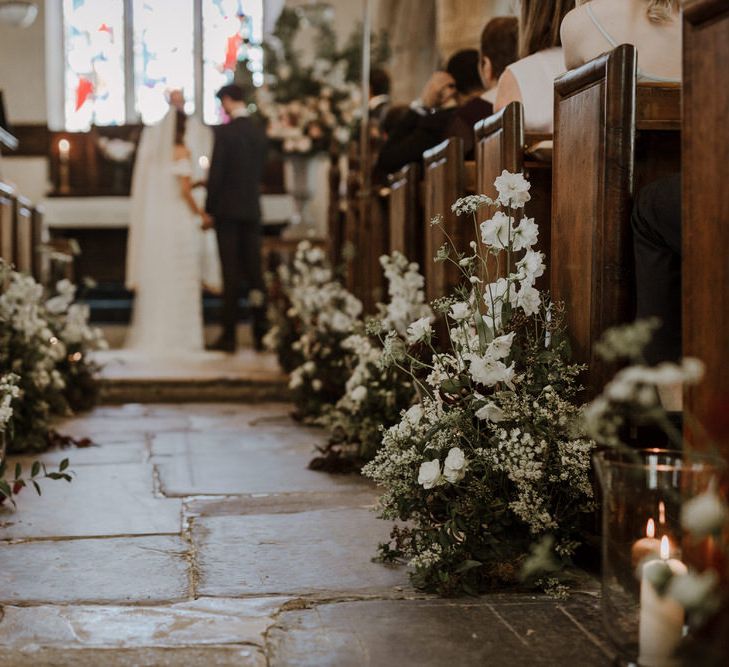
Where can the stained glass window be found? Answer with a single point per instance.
(94, 51)
(232, 34)
(163, 55)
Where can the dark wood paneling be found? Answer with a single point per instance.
(404, 212)
(33, 141)
(7, 223)
(705, 141)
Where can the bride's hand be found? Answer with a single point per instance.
(207, 222)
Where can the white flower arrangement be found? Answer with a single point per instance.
(491, 458)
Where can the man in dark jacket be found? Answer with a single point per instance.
(233, 202)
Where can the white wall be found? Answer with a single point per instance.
(22, 70)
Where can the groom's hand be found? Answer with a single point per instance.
(207, 222)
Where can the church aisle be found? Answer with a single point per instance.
(195, 535)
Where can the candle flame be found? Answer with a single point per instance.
(665, 548)
(650, 528)
(661, 512)
(64, 145)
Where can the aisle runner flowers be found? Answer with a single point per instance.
(490, 460)
(327, 314)
(45, 344)
(375, 392)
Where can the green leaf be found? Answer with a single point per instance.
(63, 466)
(467, 565)
(37, 487)
(35, 468)
(5, 489)
(18, 471)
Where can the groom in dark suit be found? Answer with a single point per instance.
(233, 202)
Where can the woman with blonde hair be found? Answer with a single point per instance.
(653, 26)
(530, 80)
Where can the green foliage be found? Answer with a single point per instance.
(11, 486)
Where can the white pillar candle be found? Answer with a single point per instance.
(648, 546)
(661, 617)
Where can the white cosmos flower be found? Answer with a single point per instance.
(359, 394)
(488, 372)
(531, 266)
(460, 311)
(501, 347)
(513, 189)
(490, 412)
(704, 515)
(419, 330)
(454, 467)
(495, 232)
(429, 474)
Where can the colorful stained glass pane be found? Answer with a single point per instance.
(232, 33)
(163, 55)
(94, 52)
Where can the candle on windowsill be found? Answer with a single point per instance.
(661, 617)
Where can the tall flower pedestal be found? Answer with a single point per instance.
(306, 180)
(645, 546)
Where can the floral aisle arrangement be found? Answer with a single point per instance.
(375, 392)
(312, 90)
(328, 314)
(10, 486)
(45, 345)
(285, 327)
(490, 462)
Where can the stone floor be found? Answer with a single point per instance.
(194, 535)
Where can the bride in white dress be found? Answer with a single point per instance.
(163, 252)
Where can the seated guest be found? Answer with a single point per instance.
(379, 102)
(653, 26)
(425, 124)
(530, 80)
(656, 225)
(498, 49)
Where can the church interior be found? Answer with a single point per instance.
(470, 402)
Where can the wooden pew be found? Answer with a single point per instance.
(41, 260)
(7, 223)
(499, 146)
(705, 211)
(23, 235)
(444, 182)
(404, 212)
(611, 136)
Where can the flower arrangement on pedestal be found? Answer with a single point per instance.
(312, 90)
(327, 315)
(490, 461)
(45, 344)
(375, 392)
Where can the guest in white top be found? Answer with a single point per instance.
(653, 26)
(530, 80)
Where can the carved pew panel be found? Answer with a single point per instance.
(403, 210)
(594, 144)
(705, 216)
(7, 223)
(41, 259)
(444, 182)
(499, 146)
(23, 235)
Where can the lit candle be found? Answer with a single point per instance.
(646, 546)
(64, 150)
(661, 617)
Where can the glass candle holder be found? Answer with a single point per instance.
(642, 495)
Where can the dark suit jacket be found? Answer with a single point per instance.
(463, 120)
(236, 171)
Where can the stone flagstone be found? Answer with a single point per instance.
(143, 570)
(101, 500)
(305, 552)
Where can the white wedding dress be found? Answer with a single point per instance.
(163, 251)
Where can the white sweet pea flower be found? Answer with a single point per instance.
(501, 347)
(429, 474)
(460, 311)
(454, 467)
(359, 394)
(420, 330)
(528, 299)
(488, 371)
(513, 189)
(531, 267)
(705, 514)
(490, 412)
(495, 232)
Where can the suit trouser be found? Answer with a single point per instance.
(657, 242)
(239, 245)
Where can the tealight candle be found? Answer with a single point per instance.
(661, 617)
